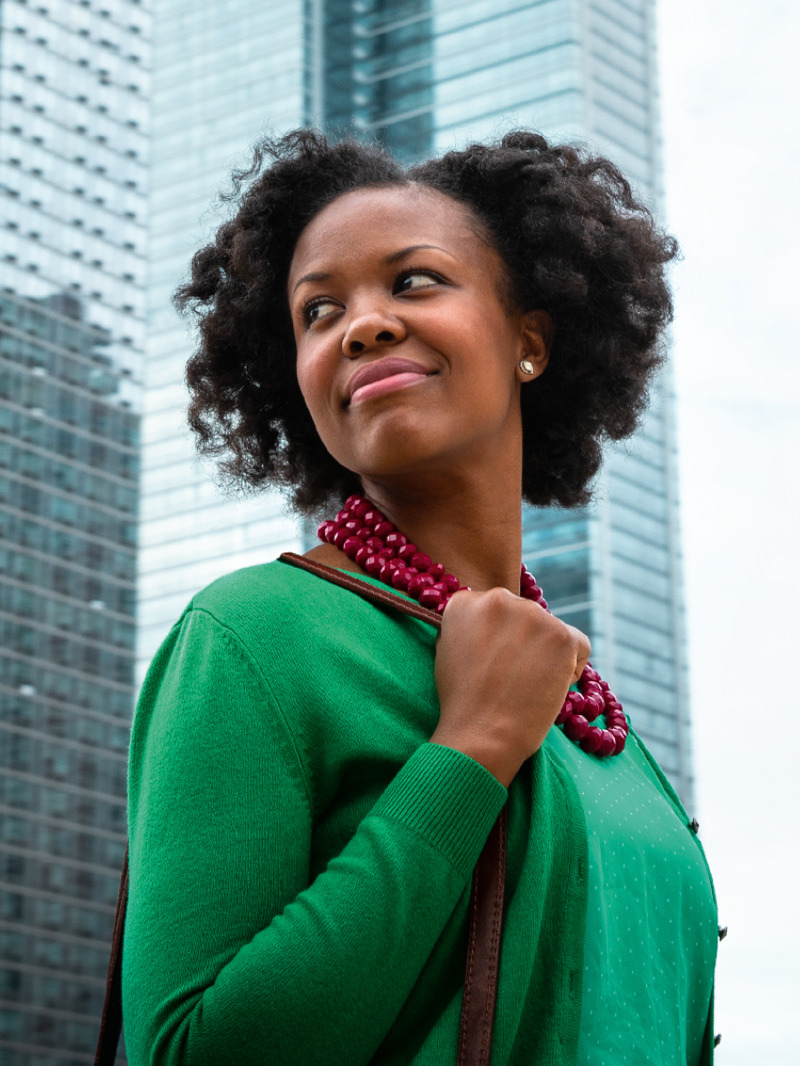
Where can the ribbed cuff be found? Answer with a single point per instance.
(448, 798)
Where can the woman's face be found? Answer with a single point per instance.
(407, 356)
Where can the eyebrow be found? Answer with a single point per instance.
(412, 248)
(315, 276)
(318, 275)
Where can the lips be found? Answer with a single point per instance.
(403, 371)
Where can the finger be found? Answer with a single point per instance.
(583, 649)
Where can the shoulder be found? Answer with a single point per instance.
(251, 589)
(275, 598)
(291, 624)
(275, 607)
(237, 635)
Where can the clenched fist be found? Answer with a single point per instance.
(503, 667)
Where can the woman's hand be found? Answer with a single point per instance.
(503, 667)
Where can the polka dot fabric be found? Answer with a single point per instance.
(651, 925)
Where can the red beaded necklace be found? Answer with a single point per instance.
(369, 539)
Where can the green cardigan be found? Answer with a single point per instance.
(301, 856)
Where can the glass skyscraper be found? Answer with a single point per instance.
(422, 76)
(218, 81)
(73, 157)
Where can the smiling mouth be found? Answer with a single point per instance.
(384, 376)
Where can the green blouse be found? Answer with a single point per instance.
(301, 857)
(651, 921)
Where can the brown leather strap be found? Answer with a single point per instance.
(483, 950)
(111, 1018)
(485, 905)
(488, 880)
(364, 589)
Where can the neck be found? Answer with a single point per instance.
(473, 528)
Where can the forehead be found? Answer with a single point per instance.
(383, 220)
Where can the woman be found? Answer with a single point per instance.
(313, 777)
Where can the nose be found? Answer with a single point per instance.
(372, 328)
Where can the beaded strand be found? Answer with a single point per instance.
(369, 539)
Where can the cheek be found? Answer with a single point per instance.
(310, 375)
(491, 360)
(316, 386)
(303, 378)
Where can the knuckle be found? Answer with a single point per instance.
(495, 604)
(554, 626)
(565, 636)
(567, 641)
(498, 596)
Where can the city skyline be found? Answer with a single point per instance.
(73, 159)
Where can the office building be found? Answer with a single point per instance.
(423, 76)
(218, 80)
(73, 98)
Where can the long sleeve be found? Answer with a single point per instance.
(231, 955)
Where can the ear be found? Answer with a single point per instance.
(536, 340)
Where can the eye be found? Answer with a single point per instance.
(315, 310)
(411, 280)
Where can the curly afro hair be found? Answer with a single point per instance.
(575, 242)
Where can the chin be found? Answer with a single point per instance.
(393, 446)
(393, 464)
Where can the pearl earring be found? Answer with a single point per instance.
(526, 366)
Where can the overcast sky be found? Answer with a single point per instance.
(729, 77)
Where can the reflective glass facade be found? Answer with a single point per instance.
(73, 157)
(221, 76)
(433, 74)
(425, 76)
